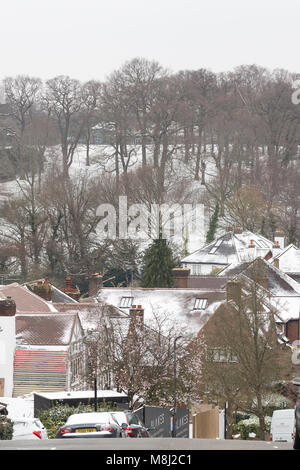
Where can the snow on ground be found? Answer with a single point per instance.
(101, 159)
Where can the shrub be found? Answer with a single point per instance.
(57, 416)
(6, 428)
(246, 426)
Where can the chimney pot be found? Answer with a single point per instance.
(136, 315)
(7, 307)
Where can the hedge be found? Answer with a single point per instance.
(251, 425)
(6, 428)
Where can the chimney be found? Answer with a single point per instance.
(137, 315)
(68, 284)
(7, 307)
(251, 244)
(279, 237)
(95, 283)
(72, 292)
(233, 291)
(43, 289)
(181, 277)
(276, 263)
(276, 244)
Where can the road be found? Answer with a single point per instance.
(143, 444)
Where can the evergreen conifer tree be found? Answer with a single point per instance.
(213, 223)
(158, 262)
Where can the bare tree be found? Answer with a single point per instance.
(242, 359)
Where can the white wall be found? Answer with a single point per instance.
(7, 351)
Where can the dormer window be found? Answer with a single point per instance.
(200, 304)
(126, 302)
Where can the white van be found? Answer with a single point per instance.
(282, 425)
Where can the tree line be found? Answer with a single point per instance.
(229, 140)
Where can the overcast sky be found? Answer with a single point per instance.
(90, 38)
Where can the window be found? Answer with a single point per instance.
(221, 355)
(200, 304)
(215, 247)
(132, 419)
(126, 302)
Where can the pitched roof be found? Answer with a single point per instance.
(45, 329)
(289, 259)
(177, 305)
(57, 294)
(231, 248)
(26, 301)
(279, 283)
(285, 291)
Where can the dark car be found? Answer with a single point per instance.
(296, 381)
(100, 425)
(135, 427)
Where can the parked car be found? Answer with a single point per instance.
(282, 425)
(296, 446)
(135, 427)
(28, 428)
(93, 424)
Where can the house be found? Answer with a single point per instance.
(283, 290)
(42, 341)
(232, 247)
(25, 299)
(49, 349)
(187, 309)
(288, 261)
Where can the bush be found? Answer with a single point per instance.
(57, 416)
(6, 428)
(251, 425)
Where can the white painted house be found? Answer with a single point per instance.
(7, 345)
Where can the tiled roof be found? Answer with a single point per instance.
(43, 329)
(26, 301)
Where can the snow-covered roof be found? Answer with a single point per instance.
(81, 394)
(45, 329)
(288, 259)
(232, 248)
(279, 283)
(285, 292)
(177, 306)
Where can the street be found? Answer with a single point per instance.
(143, 444)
